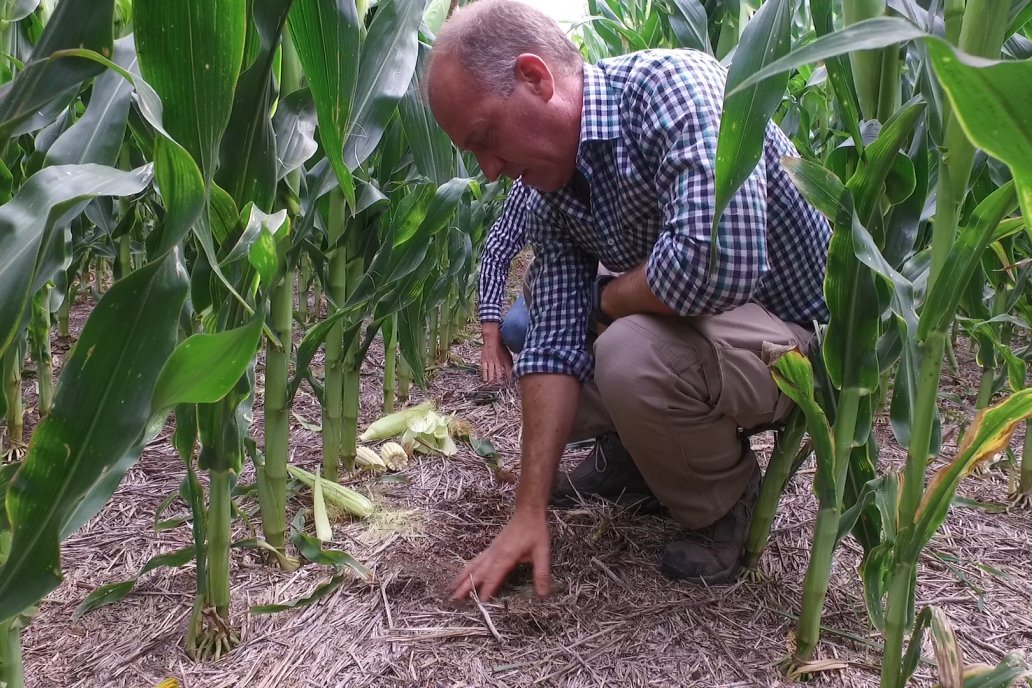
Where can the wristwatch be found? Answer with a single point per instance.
(598, 315)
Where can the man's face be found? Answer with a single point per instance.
(527, 133)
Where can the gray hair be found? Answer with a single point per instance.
(488, 35)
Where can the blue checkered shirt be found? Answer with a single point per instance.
(648, 140)
(504, 241)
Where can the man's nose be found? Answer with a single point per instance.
(491, 166)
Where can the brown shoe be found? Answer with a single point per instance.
(714, 555)
(607, 472)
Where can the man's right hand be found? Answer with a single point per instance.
(495, 359)
(524, 539)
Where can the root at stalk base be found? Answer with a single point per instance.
(1020, 501)
(211, 637)
(753, 575)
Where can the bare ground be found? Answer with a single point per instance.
(612, 620)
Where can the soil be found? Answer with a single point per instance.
(613, 619)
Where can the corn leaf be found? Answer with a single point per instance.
(327, 36)
(691, 25)
(206, 367)
(294, 124)
(432, 151)
(989, 433)
(29, 234)
(793, 374)
(100, 412)
(47, 83)
(868, 34)
(992, 101)
(97, 135)
(248, 166)
(116, 592)
(747, 112)
(964, 259)
(388, 60)
(190, 53)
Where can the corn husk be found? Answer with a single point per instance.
(323, 531)
(335, 494)
(394, 424)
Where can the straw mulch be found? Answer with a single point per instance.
(612, 619)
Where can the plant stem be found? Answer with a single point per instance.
(219, 519)
(39, 330)
(1025, 479)
(390, 363)
(779, 471)
(897, 605)
(333, 428)
(352, 366)
(818, 573)
(277, 409)
(867, 64)
(404, 380)
(12, 364)
(11, 671)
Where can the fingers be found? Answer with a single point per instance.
(484, 574)
(543, 570)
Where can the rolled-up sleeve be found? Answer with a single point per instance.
(680, 130)
(560, 301)
(506, 239)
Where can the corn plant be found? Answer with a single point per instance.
(862, 283)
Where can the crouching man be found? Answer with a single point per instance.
(619, 158)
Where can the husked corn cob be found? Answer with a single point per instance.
(367, 458)
(394, 456)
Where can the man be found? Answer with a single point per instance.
(502, 336)
(620, 156)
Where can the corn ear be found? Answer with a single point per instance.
(323, 531)
(394, 424)
(394, 456)
(368, 459)
(335, 494)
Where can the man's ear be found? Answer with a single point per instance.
(532, 72)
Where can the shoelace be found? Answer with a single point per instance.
(601, 465)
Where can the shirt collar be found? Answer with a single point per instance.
(600, 115)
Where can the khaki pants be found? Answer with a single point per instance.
(678, 391)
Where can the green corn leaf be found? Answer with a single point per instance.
(992, 101)
(320, 592)
(190, 53)
(821, 188)
(97, 135)
(116, 592)
(46, 83)
(1011, 670)
(248, 166)
(388, 60)
(989, 433)
(432, 151)
(176, 174)
(294, 125)
(6, 476)
(840, 72)
(327, 37)
(206, 367)
(312, 550)
(28, 230)
(691, 25)
(881, 158)
(868, 34)
(100, 413)
(850, 352)
(964, 259)
(793, 374)
(747, 112)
